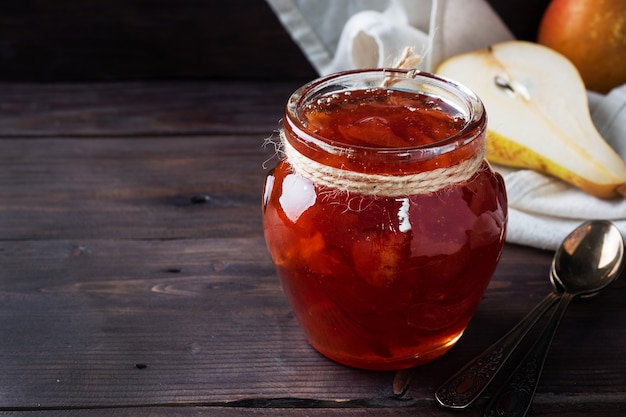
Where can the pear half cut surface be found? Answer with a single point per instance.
(538, 115)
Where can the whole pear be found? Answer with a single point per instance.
(592, 34)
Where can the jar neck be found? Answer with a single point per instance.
(383, 161)
(320, 157)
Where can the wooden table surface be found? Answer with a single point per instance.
(134, 278)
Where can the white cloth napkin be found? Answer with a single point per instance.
(349, 34)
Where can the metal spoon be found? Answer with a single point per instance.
(589, 259)
(464, 387)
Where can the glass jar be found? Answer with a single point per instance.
(383, 219)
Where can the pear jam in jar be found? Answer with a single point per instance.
(383, 219)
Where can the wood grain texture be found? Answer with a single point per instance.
(139, 188)
(109, 323)
(125, 290)
(69, 110)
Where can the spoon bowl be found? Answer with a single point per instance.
(589, 259)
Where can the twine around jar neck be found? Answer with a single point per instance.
(379, 185)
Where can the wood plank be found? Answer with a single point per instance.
(140, 188)
(409, 411)
(142, 109)
(159, 322)
(209, 410)
(204, 321)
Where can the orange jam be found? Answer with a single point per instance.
(384, 279)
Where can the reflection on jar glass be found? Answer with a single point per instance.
(383, 219)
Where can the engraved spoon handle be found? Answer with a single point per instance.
(516, 395)
(464, 387)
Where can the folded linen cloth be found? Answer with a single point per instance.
(372, 33)
(350, 34)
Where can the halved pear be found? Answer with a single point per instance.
(538, 115)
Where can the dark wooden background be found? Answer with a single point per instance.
(134, 279)
(100, 40)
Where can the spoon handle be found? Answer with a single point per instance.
(464, 387)
(516, 395)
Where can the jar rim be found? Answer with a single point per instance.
(465, 100)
